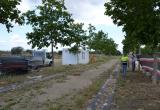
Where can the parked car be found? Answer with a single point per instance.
(14, 63)
(17, 63)
(41, 58)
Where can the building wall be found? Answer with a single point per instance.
(70, 58)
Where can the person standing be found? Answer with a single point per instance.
(124, 62)
(133, 62)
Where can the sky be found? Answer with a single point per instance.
(83, 11)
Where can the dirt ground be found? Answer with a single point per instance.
(37, 96)
(137, 93)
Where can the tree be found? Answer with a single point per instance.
(130, 44)
(9, 13)
(78, 37)
(29, 51)
(17, 50)
(139, 18)
(147, 50)
(102, 44)
(51, 25)
(78, 34)
(118, 52)
(91, 35)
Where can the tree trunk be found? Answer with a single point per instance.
(139, 53)
(52, 54)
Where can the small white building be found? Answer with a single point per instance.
(70, 58)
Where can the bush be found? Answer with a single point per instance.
(17, 50)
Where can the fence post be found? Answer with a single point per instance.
(155, 67)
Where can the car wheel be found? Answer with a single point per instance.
(50, 63)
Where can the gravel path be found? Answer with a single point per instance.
(103, 100)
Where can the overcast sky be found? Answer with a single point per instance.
(85, 11)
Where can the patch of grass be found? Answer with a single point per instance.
(9, 105)
(79, 100)
(52, 106)
(61, 79)
(55, 107)
(137, 92)
(6, 79)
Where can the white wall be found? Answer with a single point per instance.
(83, 57)
(70, 58)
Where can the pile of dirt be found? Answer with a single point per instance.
(137, 92)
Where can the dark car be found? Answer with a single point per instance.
(14, 63)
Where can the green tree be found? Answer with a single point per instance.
(9, 13)
(139, 18)
(130, 44)
(79, 34)
(91, 35)
(29, 51)
(51, 25)
(78, 37)
(102, 44)
(118, 53)
(17, 50)
(147, 50)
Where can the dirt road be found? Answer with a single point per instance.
(36, 96)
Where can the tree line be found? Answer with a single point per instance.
(52, 24)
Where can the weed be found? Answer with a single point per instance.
(55, 107)
(79, 101)
(8, 106)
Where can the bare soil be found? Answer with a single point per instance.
(37, 97)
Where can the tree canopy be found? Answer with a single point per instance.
(79, 34)
(140, 19)
(17, 50)
(51, 25)
(9, 13)
(97, 41)
(100, 42)
(78, 37)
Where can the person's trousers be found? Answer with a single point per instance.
(124, 69)
(133, 66)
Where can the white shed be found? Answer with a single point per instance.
(70, 58)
